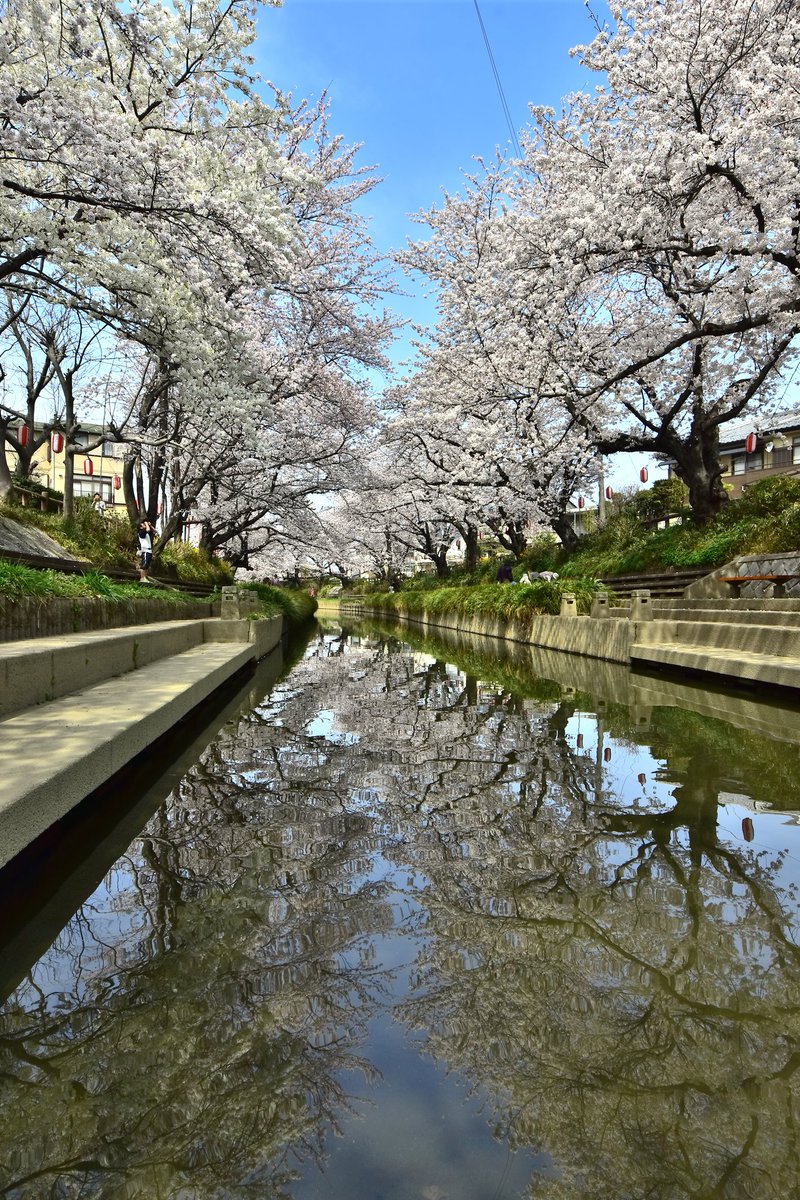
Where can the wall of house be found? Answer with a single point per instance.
(105, 477)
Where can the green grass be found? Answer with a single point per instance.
(23, 583)
(502, 601)
(765, 520)
(296, 605)
(109, 541)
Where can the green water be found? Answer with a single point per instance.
(424, 923)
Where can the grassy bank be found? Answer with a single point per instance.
(296, 605)
(24, 583)
(109, 541)
(505, 602)
(765, 520)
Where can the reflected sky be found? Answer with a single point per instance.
(429, 923)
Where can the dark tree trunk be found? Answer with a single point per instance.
(433, 549)
(697, 465)
(469, 535)
(565, 530)
(510, 534)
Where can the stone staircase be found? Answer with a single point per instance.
(75, 709)
(747, 641)
(664, 583)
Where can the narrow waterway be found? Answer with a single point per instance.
(427, 923)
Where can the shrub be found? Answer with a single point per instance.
(293, 603)
(767, 498)
(503, 601)
(194, 565)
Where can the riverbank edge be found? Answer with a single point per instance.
(54, 616)
(65, 747)
(608, 638)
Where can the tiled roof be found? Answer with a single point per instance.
(735, 432)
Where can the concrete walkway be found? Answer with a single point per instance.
(58, 742)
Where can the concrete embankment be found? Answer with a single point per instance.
(609, 639)
(78, 708)
(754, 643)
(34, 617)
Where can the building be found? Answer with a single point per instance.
(776, 450)
(98, 470)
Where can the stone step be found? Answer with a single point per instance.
(38, 670)
(725, 616)
(774, 641)
(739, 665)
(666, 583)
(41, 669)
(56, 753)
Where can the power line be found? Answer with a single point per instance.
(500, 92)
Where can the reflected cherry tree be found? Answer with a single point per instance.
(612, 970)
(189, 1031)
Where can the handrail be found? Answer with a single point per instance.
(41, 499)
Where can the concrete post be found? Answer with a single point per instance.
(600, 604)
(568, 606)
(641, 608)
(238, 602)
(230, 604)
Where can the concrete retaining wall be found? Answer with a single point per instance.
(711, 585)
(609, 638)
(56, 615)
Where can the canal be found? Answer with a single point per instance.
(420, 921)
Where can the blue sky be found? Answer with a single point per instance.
(411, 80)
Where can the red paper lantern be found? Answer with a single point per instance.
(609, 493)
(642, 779)
(607, 754)
(643, 475)
(57, 442)
(88, 466)
(117, 483)
(752, 441)
(581, 501)
(748, 832)
(23, 435)
(579, 741)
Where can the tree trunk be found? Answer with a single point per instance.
(69, 480)
(469, 534)
(6, 486)
(510, 534)
(565, 530)
(697, 465)
(433, 549)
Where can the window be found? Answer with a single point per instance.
(87, 485)
(782, 457)
(738, 466)
(796, 452)
(755, 462)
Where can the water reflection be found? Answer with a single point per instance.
(410, 860)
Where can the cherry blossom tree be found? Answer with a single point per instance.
(641, 262)
(148, 186)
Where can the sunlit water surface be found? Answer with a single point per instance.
(422, 925)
